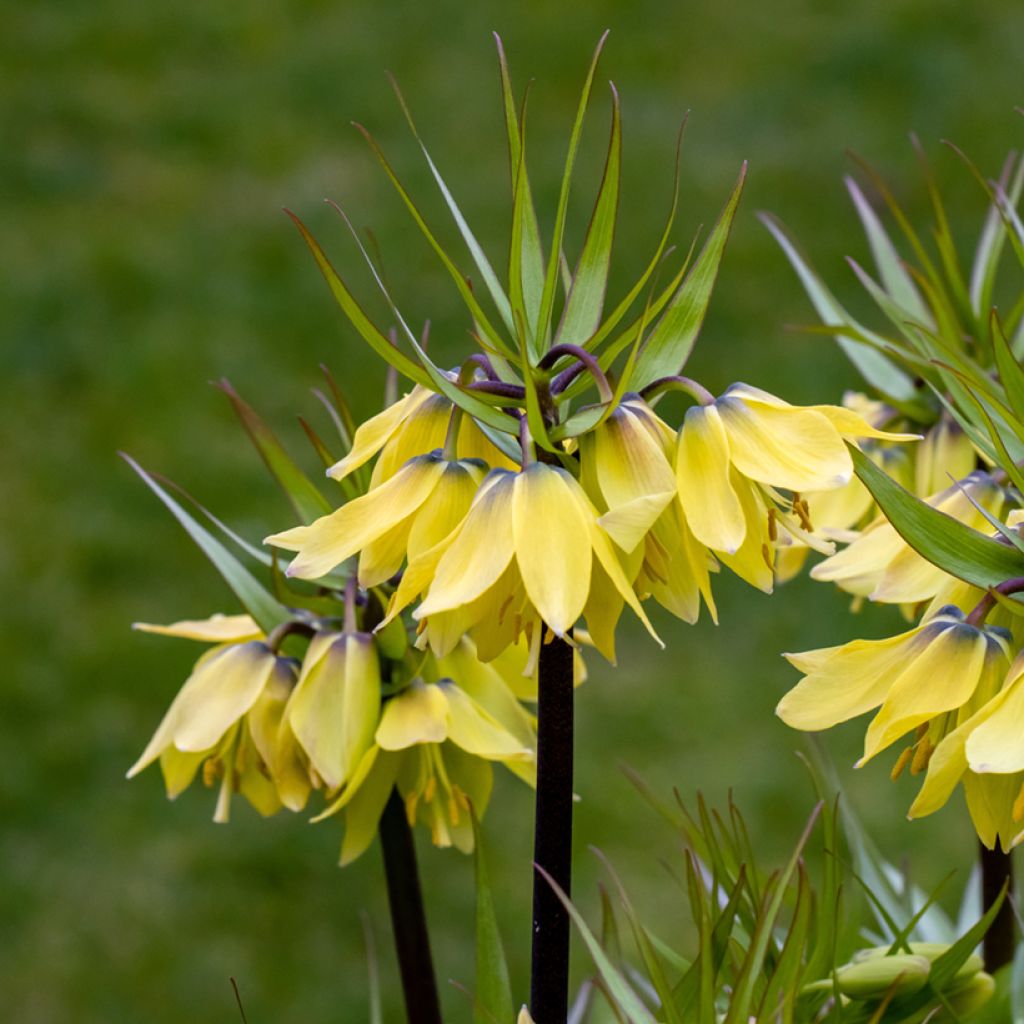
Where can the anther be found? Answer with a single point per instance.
(901, 763)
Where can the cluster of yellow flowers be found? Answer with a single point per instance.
(494, 559)
(953, 681)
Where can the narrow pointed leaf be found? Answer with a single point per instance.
(937, 537)
(551, 276)
(585, 303)
(255, 598)
(625, 997)
(308, 502)
(493, 996)
(876, 368)
(362, 323)
(492, 336)
(672, 340)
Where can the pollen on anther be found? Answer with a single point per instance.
(901, 763)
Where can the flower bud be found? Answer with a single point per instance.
(902, 974)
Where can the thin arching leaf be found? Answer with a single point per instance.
(862, 349)
(362, 323)
(255, 598)
(672, 340)
(493, 996)
(585, 302)
(551, 275)
(308, 502)
(942, 540)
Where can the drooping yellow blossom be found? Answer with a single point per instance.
(529, 552)
(916, 680)
(626, 467)
(414, 425)
(407, 515)
(225, 717)
(335, 707)
(984, 752)
(881, 566)
(735, 452)
(945, 454)
(435, 743)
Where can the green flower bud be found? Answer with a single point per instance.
(902, 974)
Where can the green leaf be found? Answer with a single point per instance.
(551, 277)
(466, 400)
(531, 255)
(937, 537)
(487, 328)
(993, 238)
(308, 502)
(372, 969)
(620, 990)
(898, 283)
(585, 303)
(877, 369)
(1011, 376)
(362, 323)
(255, 598)
(672, 340)
(493, 996)
(490, 278)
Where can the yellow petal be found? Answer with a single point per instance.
(754, 561)
(843, 682)
(445, 508)
(421, 432)
(798, 449)
(608, 558)
(473, 443)
(362, 815)
(634, 476)
(995, 744)
(217, 629)
(552, 542)
(264, 717)
(419, 714)
(478, 732)
(372, 435)
(179, 769)
(383, 556)
(940, 677)
(479, 552)
(220, 690)
(990, 800)
(327, 542)
(335, 707)
(710, 503)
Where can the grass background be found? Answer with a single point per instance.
(148, 152)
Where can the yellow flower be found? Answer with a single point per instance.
(225, 717)
(915, 679)
(414, 425)
(626, 467)
(735, 452)
(881, 566)
(528, 553)
(945, 454)
(435, 742)
(985, 753)
(334, 709)
(405, 516)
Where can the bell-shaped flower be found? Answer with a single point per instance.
(915, 680)
(435, 744)
(404, 517)
(224, 719)
(747, 440)
(881, 566)
(334, 709)
(984, 753)
(945, 453)
(626, 467)
(414, 425)
(529, 555)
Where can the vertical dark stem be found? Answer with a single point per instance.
(552, 843)
(408, 921)
(1000, 939)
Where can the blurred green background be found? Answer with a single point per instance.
(148, 152)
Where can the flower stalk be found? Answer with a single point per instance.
(1000, 940)
(408, 920)
(552, 845)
